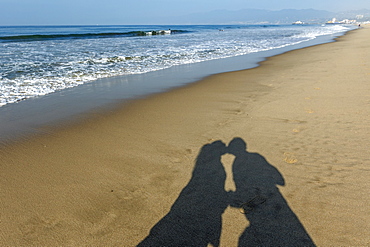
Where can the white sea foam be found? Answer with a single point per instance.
(39, 67)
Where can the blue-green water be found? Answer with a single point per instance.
(38, 60)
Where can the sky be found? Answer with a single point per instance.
(66, 12)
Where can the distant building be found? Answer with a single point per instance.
(345, 21)
(333, 21)
(298, 23)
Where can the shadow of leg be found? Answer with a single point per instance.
(195, 217)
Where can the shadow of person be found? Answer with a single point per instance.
(272, 222)
(195, 217)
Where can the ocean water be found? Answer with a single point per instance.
(38, 60)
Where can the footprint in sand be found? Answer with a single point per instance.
(290, 158)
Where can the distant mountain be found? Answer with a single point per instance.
(256, 16)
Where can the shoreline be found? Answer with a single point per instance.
(110, 179)
(29, 117)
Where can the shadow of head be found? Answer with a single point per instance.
(237, 146)
(212, 151)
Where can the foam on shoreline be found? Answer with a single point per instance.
(30, 116)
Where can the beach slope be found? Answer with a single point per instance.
(278, 153)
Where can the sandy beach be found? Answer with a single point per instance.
(273, 155)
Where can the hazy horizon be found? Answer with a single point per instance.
(83, 12)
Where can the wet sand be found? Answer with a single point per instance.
(110, 179)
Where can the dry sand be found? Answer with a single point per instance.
(108, 180)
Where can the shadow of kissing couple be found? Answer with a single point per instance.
(195, 218)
